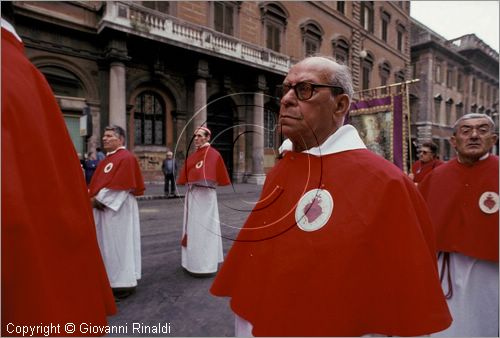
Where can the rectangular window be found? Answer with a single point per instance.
(366, 77)
(473, 85)
(437, 110)
(449, 78)
(437, 75)
(273, 40)
(367, 15)
(400, 40)
(459, 82)
(341, 6)
(223, 18)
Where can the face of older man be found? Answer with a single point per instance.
(200, 138)
(473, 139)
(309, 122)
(111, 141)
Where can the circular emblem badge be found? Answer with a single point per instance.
(314, 210)
(199, 164)
(488, 202)
(108, 168)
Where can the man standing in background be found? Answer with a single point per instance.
(116, 182)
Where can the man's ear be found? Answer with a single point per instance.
(342, 106)
(453, 142)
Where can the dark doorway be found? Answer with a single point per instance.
(220, 115)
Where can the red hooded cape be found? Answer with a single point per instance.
(370, 269)
(119, 171)
(205, 164)
(52, 271)
(453, 192)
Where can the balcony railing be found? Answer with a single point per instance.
(135, 19)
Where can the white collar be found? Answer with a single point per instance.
(10, 28)
(345, 138)
(484, 157)
(114, 151)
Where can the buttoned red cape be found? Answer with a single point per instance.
(420, 169)
(52, 271)
(118, 171)
(452, 192)
(205, 164)
(370, 270)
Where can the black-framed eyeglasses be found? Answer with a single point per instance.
(305, 90)
(424, 152)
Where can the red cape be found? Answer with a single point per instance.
(52, 271)
(452, 192)
(420, 170)
(205, 164)
(370, 269)
(119, 171)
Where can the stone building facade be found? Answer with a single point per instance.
(160, 68)
(457, 77)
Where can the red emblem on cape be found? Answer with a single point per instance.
(314, 210)
(488, 202)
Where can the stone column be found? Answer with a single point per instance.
(117, 95)
(258, 176)
(200, 94)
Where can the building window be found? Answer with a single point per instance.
(341, 51)
(449, 78)
(224, 16)
(386, 17)
(399, 76)
(448, 106)
(437, 109)
(367, 66)
(160, 6)
(459, 109)
(311, 36)
(274, 18)
(149, 120)
(385, 72)
(481, 90)
(63, 82)
(474, 85)
(437, 73)
(459, 82)
(367, 15)
(400, 37)
(341, 6)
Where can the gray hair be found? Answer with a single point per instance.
(338, 73)
(472, 116)
(119, 131)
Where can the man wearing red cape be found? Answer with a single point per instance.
(340, 242)
(427, 162)
(52, 271)
(201, 234)
(114, 185)
(462, 196)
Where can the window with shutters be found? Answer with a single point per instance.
(224, 17)
(311, 36)
(274, 19)
(367, 15)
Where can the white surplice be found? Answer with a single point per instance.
(119, 237)
(203, 252)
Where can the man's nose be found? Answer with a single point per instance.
(289, 98)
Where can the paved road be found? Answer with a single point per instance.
(167, 295)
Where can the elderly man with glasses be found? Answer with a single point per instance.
(427, 161)
(462, 196)
(340, 242)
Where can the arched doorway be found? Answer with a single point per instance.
(220, 116)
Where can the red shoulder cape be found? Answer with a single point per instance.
(370, 269)
(205, 164)
(452, 192)
(52, 271)
(119, 171)
(424, 169)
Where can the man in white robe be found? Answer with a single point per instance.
(113, 188)
(202, 242)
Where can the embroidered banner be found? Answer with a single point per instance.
(381, 125)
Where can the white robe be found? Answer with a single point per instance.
(203, 252)
(474, 303)
(119, 237)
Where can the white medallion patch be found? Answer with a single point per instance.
(314, 210)
(199, 164)
(488, 202)
(108, 168)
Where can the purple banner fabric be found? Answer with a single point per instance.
(393, 105)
